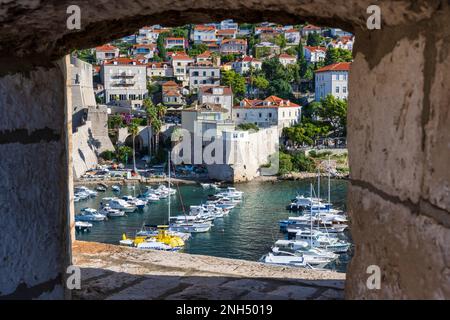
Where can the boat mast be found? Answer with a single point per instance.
(329, 183)
(310, 216)
(168, 222)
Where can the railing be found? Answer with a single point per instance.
(123, 75)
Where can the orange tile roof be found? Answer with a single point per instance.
(202, 27)
(340, 66)
(311, 27)
(124, 61)
(286, 56)
(314, 49)
(106, 48)
(275, 102)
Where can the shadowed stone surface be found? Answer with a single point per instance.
(118, 273)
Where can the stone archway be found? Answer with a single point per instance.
(399, 137)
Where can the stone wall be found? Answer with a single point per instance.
(84, 153)
(398, 140)
(34, 188)
(399, 151)
(245, 154)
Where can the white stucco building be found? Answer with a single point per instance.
(200, 75)
(106, 52)
(272, 111)
(124, 79)
(244, 64)
(314, 54)
(180, 63)
(332, 79)
(203, 33)
(286, 59)
(220, 95)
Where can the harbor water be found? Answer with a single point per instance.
(248, 232)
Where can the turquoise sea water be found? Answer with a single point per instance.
(247, 232)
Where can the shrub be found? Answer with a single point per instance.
(107, 155)
(285, 164)
(303, 163)
(248, 126)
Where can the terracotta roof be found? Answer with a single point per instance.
(274, 102)
(286, 56)
(106, 48)
(207, 107)
(234, 41)
(170, 83)
(249, 59)
(174, 38)
(158, 64)
(141, 45)
(123, 61)
(202, 27)
(226, 32)
(181, 56)
(172, 93)
(340, 66)
(291, 31)
(311, 27)
(208, 90)
(205, 54)
(315, 49)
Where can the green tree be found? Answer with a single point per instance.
(335, 55)
(235, 81)
(280, 88)
(160, 44)
(124, 153)
(280, 41)
(197, 49)
(285, 163)
(133, 129)
(334, 111)
(248, 126)
(261, 83)
(314, 39)
(302, 163)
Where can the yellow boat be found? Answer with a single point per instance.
(175, 242)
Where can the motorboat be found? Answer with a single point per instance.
(309, 259)
(290, 260)
(152, 230)
(88, 214)
(191, 227)
(122, 205)
(326, 223)
(322, 241)
(163, 240)
(138, 203)
(110, 212)
(115, 188)
(85, 190)
(82, 226)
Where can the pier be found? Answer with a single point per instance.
(110, 272)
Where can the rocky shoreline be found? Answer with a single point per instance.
(292, 176)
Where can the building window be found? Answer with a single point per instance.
(260, 114)
(195, 82)
(270, 114)
(237, 115)
(344, 89)
(337, 89)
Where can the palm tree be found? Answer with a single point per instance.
(160, 112)
(151, 114)
(133, 129)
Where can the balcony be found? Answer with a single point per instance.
(123, 75)
(123, 83)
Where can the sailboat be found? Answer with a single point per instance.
(193, 226)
